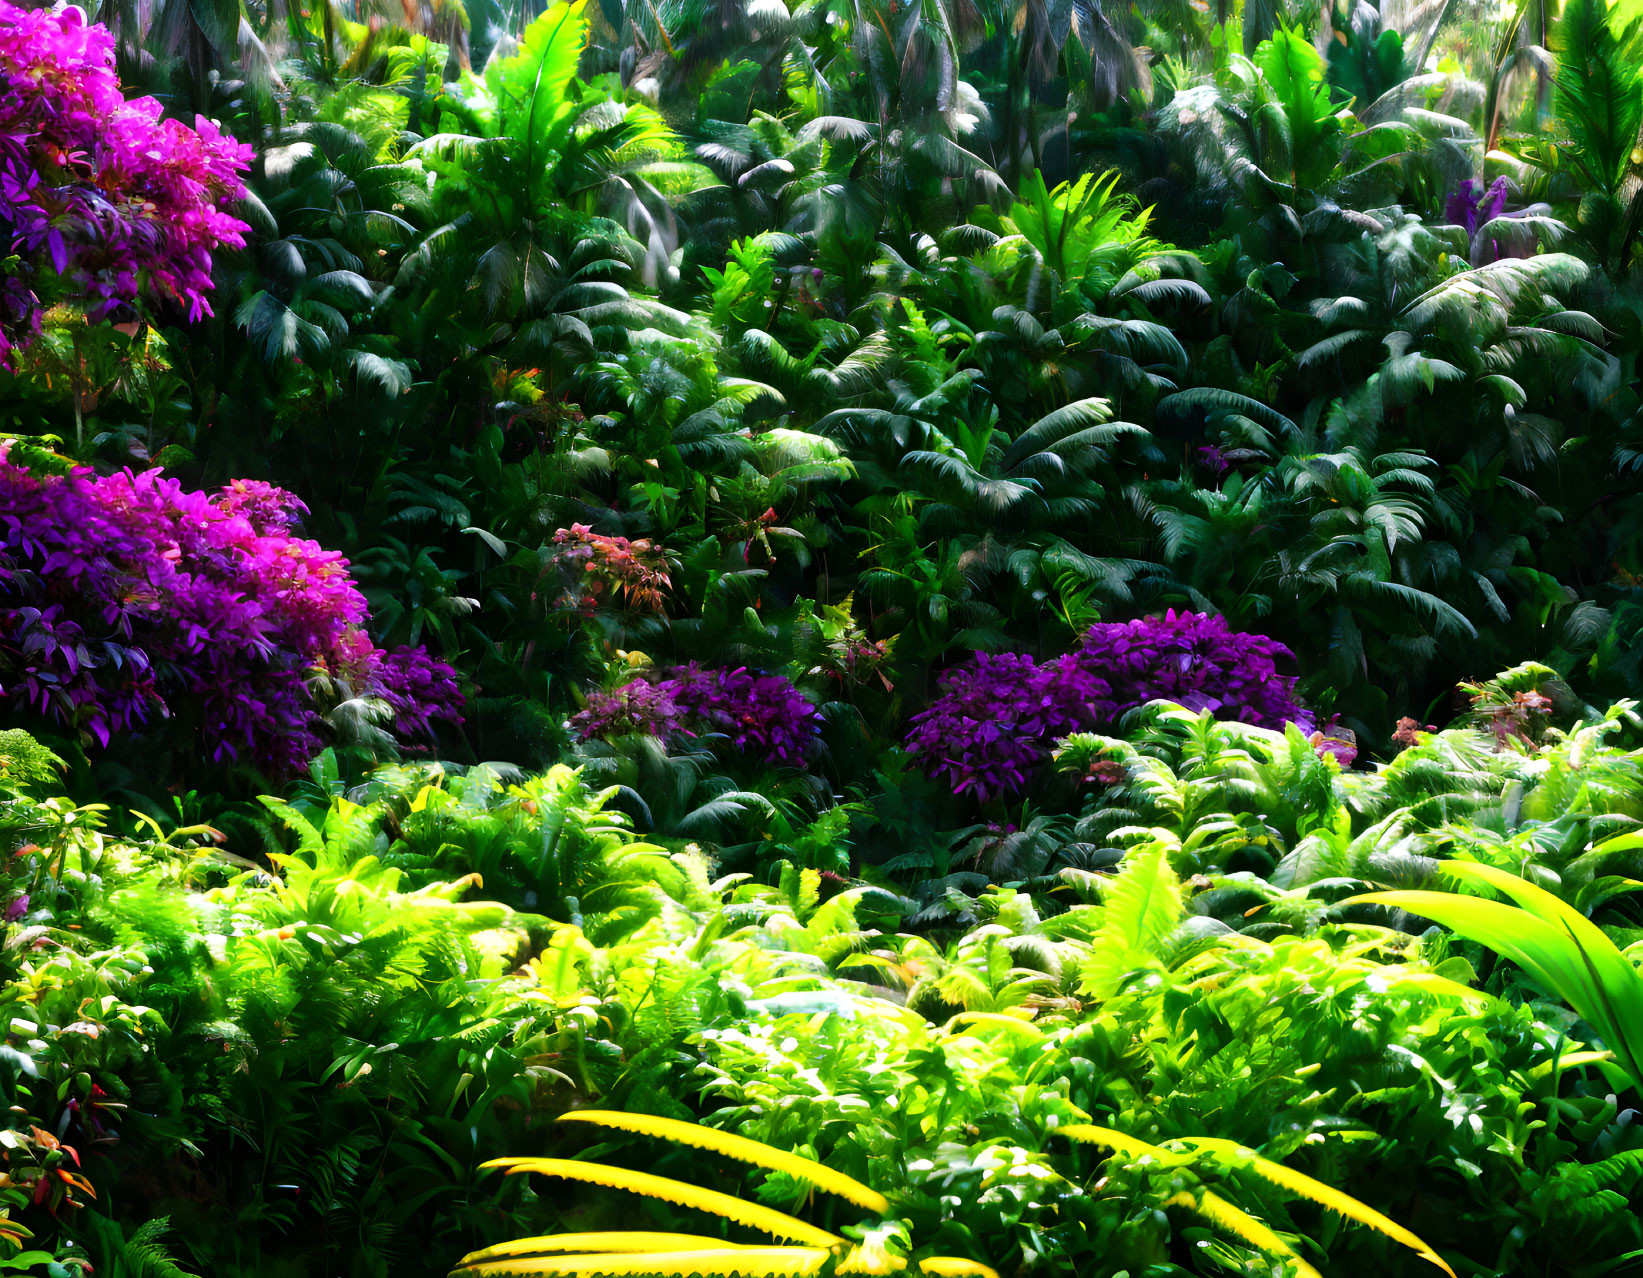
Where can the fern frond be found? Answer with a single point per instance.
(740, 1148)
(1218, 1211)
(776, 1223)
(1142, 906)
(1617, 1174)
(1212, 1207)
(1106, 1138)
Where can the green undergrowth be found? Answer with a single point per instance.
(300, 1057)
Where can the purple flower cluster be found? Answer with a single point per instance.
(100, 199)
(126, 601)
(760, 715)
(418, 688)
(990, 727)
(1472, 205)
(997, 716)
(1194, 659)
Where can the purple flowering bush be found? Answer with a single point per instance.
(997, 716)
(1196, 660)
(100, 199)
(990, 727)
(1471, 204)
(763, 716)
(128, 604)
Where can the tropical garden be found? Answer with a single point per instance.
(744, 638)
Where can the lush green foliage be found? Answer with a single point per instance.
(323, 1053)
(976, 541)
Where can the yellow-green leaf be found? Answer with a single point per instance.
(724, 1262)
(616, 1241)
(1304, 1185)
(738, 1147)
(775, 1223)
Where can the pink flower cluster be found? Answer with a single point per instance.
(100, 199)
(127, 602)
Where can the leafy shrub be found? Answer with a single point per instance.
(100, 199)
(24, 762)
(127, 602)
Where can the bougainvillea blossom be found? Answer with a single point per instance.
(101, 200)
(128, 601)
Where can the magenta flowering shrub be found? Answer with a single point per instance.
(100, 199)
(128, 605)
(997, 717)
(1194, 659)
(989, 729)
(763, 716)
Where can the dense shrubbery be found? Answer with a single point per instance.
(760, 715)
(355, 1004)
(944, 567)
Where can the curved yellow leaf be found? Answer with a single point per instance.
(1218, 1211)
(1212, 1207)
(726, 1262)
(618, 1241)
(1119, 1142)
(740, 1148)
(956, 1267)
(776, 1223)
(1435, 984)
(1304, 1185)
